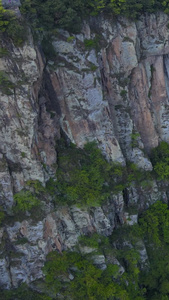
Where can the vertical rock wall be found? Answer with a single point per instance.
(110, 83)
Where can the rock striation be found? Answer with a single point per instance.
(110, 84)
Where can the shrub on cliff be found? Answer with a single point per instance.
(25, 201)
(51, 14)
(84, 177)
(11, 26)
(68, 14)
(3, 19)
(6, 86)
(154, 224)
(22, 292)
(87, 281)
(160, 160)
(82, 181)
(2, 215)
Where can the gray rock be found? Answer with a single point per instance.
(99, 261)
(5, 280)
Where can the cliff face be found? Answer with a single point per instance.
(118, 88)
(110, 83)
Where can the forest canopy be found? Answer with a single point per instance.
(68, 14)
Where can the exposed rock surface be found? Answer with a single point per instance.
(117, 89)
(115, 92)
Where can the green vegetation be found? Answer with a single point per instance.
(6, 86)
(3, 20)
(88, 282)
(11, 26)
(134, 139)
(70, 39)
(75, 276)
(21, 241)
(123, 93)
(127, 39)
(2, 215)
(23, 292)
(92, 43)
(23, 154)
(99, 243)
(48, 48)
(25, 201)
(155, 223)
(68, 14)
(93, 67)
(155, 229)
(160, 160)
(84, 176)
(48, 15)
(3, 52)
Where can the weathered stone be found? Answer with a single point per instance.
(6, 192)
(5, 280)
(143, 253)
(86, 250)
(117, 96)
(99, 261)
(131, 219)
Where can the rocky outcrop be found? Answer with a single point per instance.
(102, 85)
(25, 244)
(19, 114)
(28, 133)
(110, 83)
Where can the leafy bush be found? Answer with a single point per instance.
(3, 52)
(3, 20)
(160, 160)
(155, 223)
(6, 86)
(91, 43)
(48, 48)
(36, 186)
(21, 241)
(84, 177)
(25, 201)
(16, 30)
(2, 215)
(89, 282)
(51, 14)
(134, 139)
(89, 241)
(68, 14)
(12, 26)
(22, 292)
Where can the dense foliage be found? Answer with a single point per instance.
(68, 14)
(6, 86)
(25, 201)
(11, 26)
(160, 160)
(75, 275)
(23, 292)
(155, 228)
(81, 176)
(89, 282)
(84, 177)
